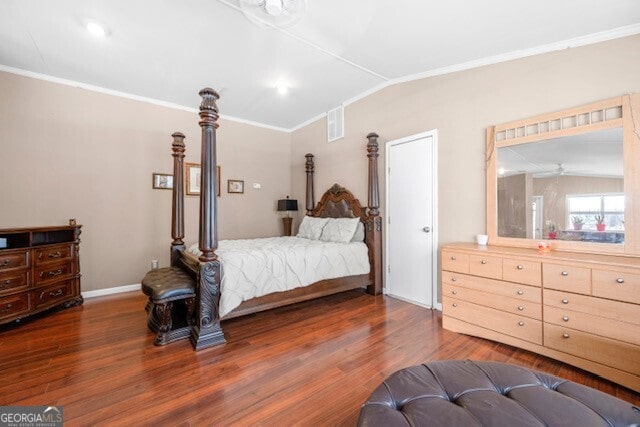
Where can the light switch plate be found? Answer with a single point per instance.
(257, 185)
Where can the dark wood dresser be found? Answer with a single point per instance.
(39, 270)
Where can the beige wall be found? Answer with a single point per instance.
(71, 153)
(461, 106)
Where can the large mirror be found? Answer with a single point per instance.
(566, 188)
(571, 178)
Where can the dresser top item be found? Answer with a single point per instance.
(553, 256)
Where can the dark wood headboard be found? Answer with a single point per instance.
(338, 202)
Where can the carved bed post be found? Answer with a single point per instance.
(177, 208)
(374, 221)
(207, 331)
(310, 167)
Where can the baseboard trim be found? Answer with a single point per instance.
(111, 291)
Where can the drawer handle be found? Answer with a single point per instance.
(55, 273)
(55, 255)
(521, 323)
(520, 308)
(454, 292)
(565, 273)
(565, 301)
(6, 262)
(453, 279)
(620, 280)
(565, 335)
(7, 307)
(484, 261)
(6, 283)
(454, 304)
(520, 292)
(56, 293)
(520, 267)
(453, 258)
(565, 318)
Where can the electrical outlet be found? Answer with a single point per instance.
(154, 264)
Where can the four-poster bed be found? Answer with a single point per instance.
(203, 311)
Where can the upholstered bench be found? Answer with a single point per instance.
(171, 304)
(465, 393)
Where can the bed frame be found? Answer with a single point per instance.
(337, 202)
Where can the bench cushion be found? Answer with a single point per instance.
(465, 393)
(168, 284)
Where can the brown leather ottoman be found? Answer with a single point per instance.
(465, 393)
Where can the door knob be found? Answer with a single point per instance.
(426, 229)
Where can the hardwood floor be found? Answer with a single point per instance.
(314, 363)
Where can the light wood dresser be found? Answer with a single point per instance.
(582, 309)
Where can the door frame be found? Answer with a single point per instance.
(434, 210)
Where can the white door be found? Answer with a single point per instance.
(411, 219)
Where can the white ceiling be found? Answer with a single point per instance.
(167, 50)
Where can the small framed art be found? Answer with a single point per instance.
(235, 186)
(162, 181)
(192, 179)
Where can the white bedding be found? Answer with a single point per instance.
(256, 267)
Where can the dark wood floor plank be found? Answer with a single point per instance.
(313, 363)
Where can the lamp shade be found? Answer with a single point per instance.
(287, 205)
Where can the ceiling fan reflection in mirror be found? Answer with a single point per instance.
(561, 171)
(279, 13)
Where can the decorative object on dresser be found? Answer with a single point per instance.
(203, 265)
(39, 270)
(287, 205)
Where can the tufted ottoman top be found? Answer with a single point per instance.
(465, 393)
(168, 284)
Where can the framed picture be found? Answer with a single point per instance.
(192, 179)
(162, 181)
(235, 186)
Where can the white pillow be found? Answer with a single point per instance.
(358, 236)
(339, 230)
(311, 227)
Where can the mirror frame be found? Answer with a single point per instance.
(622, 111)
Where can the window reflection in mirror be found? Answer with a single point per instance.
(568, 188)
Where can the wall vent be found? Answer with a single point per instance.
(335, 124)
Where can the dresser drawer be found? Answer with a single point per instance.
(496, 287)
(520, 327)
(14, 260)
(618, 286)
(597, 325)
(527, 272)
(13, 305)
(50, 295)
(13, 281)
(53, 272)
(566, 278)
(485, 266)
(510, 305)
(617, 354)
(621, 311)
(53, 253)
(454, 261)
